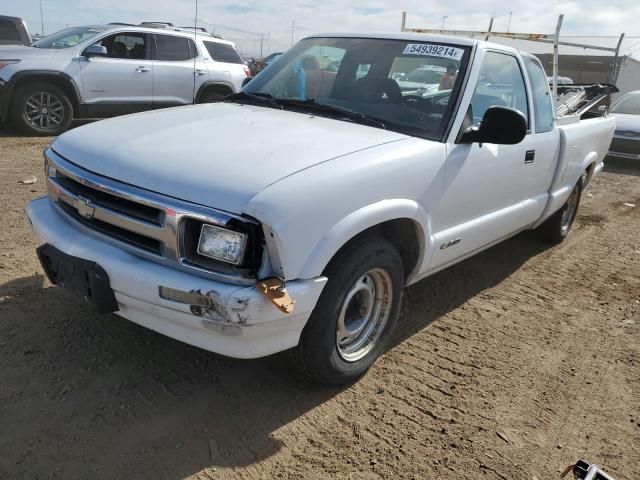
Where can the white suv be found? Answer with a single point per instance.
(106, 70)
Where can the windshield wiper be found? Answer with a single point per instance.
(312, 104)
(253, 98)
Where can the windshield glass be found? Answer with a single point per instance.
(629, 104)
(409, 87)
(69, 37)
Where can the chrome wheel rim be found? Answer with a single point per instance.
(364, 315)
(570, 211)
(44, 110)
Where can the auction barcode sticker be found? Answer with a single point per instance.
(432, 50)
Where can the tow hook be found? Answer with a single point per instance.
(275, 290)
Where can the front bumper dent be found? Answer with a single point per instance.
(239, 322)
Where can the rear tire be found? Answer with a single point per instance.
(41, 109)
(356, 314)
(556, 228)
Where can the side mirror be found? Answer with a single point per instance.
(500, 125)
(246, 80)
(95, 51)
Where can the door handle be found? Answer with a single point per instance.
(143, 69)
(530, 156)
(198, 73)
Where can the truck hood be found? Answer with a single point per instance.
(217, 155)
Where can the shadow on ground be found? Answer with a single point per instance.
(100, 397)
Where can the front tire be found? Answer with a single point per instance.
(356, 314)
(41, 109)
(556, 228)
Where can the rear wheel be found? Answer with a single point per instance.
(356, 314)
(556, 228)
(41, 109)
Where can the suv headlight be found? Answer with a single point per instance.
(222, 244)
(4, 63)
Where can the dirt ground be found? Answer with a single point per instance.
(511, 365)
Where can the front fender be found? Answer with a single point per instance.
(309, 216)
(361, 220)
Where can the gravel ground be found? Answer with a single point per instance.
(511, 365)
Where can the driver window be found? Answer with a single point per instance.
(500, 84)
(131, 46)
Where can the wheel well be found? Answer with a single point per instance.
(216, 88)
(58, 81)
(588, 174)
(402, 233)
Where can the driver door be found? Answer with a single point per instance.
(485, 193)
(121, 81)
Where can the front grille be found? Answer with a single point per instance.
(143, 222)
(139, 241)
(117, 204)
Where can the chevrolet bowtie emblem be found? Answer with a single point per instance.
(84, 207)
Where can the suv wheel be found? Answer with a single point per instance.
(41, 109)
(356, 314)
(212, 96)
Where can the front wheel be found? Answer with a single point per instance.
(356, 314)
(556, 228)
(41, 109)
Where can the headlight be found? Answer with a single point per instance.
(222, 244)
(4, 63)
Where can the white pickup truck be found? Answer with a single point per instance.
(292, 215)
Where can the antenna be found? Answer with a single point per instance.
(195, 41)
(41, 19)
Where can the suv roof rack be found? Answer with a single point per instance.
(199, 29)
(156, 24)
(121, 23)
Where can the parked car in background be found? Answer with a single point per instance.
(106, 70)
(561, 80)
(424, 79)
(269, 59)
(626, 139)
(13, 31)
(350, 189)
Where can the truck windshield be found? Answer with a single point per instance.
(407, 86)
(69, 37)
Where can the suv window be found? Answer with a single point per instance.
(174, 48)
(8, 30)
(222, 52)
(500, 84)
(542, 105)
(132, 46)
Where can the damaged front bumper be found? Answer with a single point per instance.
(232, 320)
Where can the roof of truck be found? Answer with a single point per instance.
(419, 37)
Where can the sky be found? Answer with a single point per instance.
(246, 22)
